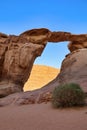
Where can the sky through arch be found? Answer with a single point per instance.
(53, 54)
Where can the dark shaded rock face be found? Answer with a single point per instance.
(17, 55)
(16, 66)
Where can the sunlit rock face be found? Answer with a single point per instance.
(18, 53)
(73, 69)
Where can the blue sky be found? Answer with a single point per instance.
(17, 16)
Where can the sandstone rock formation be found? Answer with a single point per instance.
(75, 45)
(74, 68)
(17, 54)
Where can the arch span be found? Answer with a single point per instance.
(18, 53)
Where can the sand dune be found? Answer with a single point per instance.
(42, 117)
(40, 76)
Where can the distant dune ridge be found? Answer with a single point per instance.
(40, 76)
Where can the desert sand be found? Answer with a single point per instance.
(40, 76)
(42, 117)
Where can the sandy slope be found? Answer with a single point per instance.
(40, 76)
(42, 117)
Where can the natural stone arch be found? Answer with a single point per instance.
(43, 72)
(17, 54)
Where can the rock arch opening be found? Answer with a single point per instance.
(47, 66)
(18, 53)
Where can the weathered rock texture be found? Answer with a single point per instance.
(17, 54)
(74, 69)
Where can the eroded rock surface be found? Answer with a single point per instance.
(74, 69)
(17, 54)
